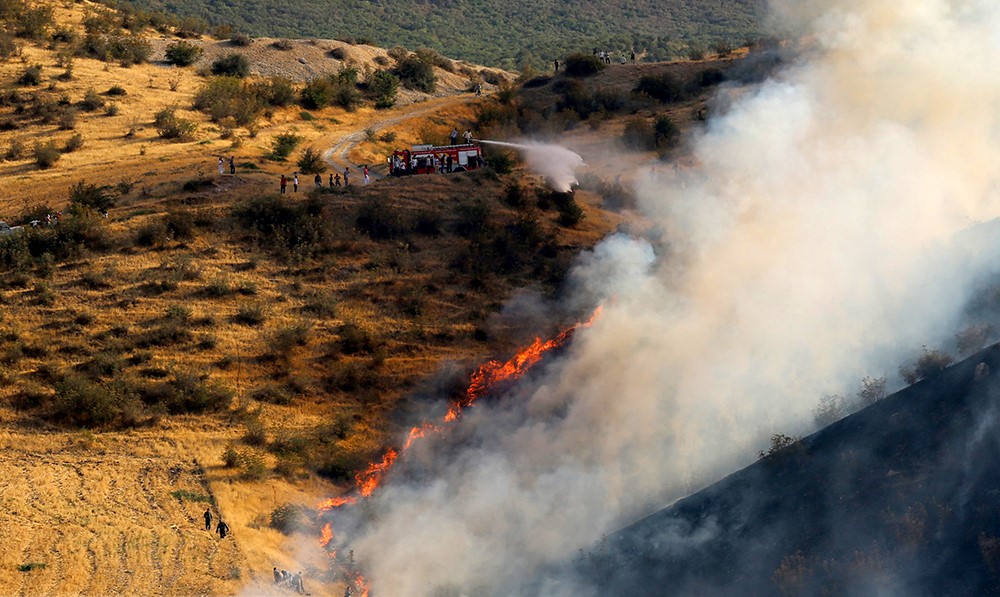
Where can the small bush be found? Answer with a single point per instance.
(416, 74)
(282, 44)
(182, 53)
(311, 162)
(665, 88)
(91, 101)
(170, 126)
(283, 145)
(116, 91)
(583, 65)
(46, 155)
(250, 314)
(288, 518)
(31, 76)
(930, 363)
(232, 65)
(73, 143)
(241, 40)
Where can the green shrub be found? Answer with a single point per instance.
(97, 197)
(232, 65)
(666, 133)
(31, 76)
(73, 143)
(252, 314)
(276, 91)
(288, 518)
(665, 88)
(416, 74)
(81, 402)
(241, 40)
(283, 145)
(170, 126)
(91, 101)
(126, 49)
(282, 44)
(582, 65)
(116, 90)
(311, 162)
(229, 97)
(383, 87)
(46, 155)
(183, 53)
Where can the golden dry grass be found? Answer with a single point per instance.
(97, 510)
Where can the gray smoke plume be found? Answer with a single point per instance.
(797, 257)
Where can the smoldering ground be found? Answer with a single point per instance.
(798, 256)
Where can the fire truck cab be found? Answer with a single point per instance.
(428, 159)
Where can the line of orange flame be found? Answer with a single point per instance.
(483, 379)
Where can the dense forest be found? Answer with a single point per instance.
(507, 33)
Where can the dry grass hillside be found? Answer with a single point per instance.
(208, 344)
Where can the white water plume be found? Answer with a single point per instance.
(556, 163)
(799, 256)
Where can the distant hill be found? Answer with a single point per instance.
(899, 498)
(499, 33)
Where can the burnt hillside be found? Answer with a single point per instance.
(899, 498)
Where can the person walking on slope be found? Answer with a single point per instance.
(232, 164)
(366, 174)
(284, 183)
(208, 519)
(318, 180)
(222, 528)
(277, 575)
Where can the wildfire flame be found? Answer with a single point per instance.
(485, 378)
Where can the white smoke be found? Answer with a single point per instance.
(799, 257)
(555, 163)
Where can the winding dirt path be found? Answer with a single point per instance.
(338, 155)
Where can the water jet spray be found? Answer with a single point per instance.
(557, 164)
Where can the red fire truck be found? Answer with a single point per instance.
(428, 159)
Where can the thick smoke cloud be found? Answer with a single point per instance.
(800, 254)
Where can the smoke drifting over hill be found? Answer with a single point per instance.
(796, 258)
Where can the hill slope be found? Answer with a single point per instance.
(897, 498)
(492, 32)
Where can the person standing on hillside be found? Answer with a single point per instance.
(277, 575)
(284, 183)
(232, 164)
(347, 173)
(331, 180)
(221, 168)
(208, 519)
(454, 136)
(556, 64)
(336, 180)
(318, 180)
(633, 56)
(295, 182)
(222, 528)
(366, 174)
(467, 135)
